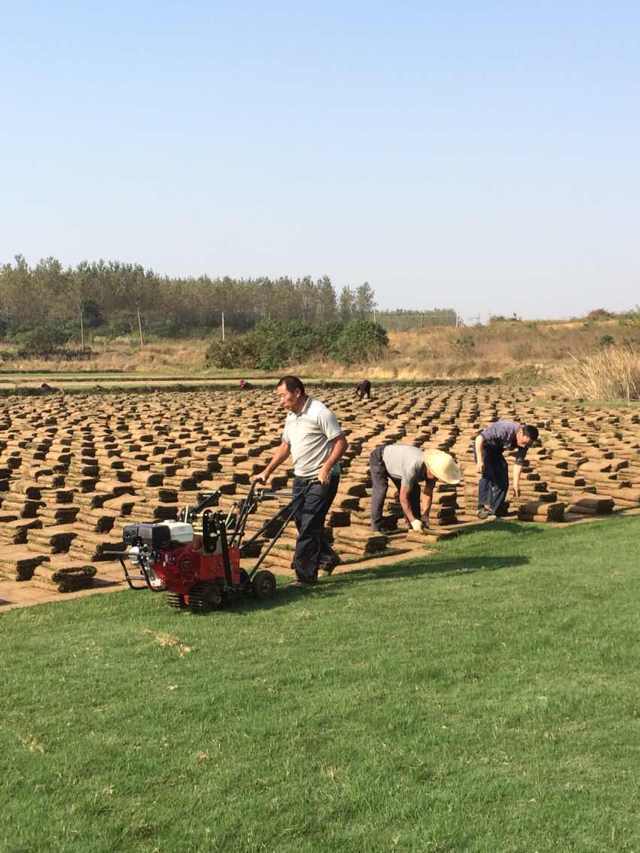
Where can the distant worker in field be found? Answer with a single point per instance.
(315, 440)
(489, 446)
(407, 466)
(245, 386)
(363, 390)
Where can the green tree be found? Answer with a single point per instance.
(365, 302)
(346, 305)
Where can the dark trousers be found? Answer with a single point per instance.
(380, 483)
(312, 546)
(494, 483)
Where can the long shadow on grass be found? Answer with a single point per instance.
(433, 565)
(415, 569)
(513, 526)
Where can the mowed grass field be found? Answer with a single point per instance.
(484, 698)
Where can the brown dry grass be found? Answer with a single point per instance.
(525, 351)
(169, 357)
(613, 374)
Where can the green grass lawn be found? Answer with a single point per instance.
(485, 698)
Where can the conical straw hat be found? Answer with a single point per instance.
(442, 466)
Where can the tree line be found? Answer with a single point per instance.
(113, 298)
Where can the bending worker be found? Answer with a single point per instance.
(408, 466)
(314, 438)
(363, 390)
(489, 447)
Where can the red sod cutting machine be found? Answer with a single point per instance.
(200, 570)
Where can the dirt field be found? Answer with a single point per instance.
(75, 469)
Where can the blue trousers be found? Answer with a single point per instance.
(312, 546)
(494, 483)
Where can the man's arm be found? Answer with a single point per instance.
(428, 493)
(337, 451)
(479, 453)
(280, 454)
(517, 470)
(405, 503)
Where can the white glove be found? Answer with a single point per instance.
(417, 525)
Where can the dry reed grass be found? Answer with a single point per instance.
(613, 374)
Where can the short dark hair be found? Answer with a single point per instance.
(530, 431)
(292, 383)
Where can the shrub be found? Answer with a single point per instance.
(43, 340)
(606, 341)
(360, 341)
(270, 345)
(240, 351)
(599, 314)
(273, 344)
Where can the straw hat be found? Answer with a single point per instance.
(442, 466)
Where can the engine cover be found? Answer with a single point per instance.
(157, 536)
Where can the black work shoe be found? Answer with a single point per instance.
(329, 565)
(298, 582)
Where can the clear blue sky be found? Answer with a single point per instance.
(478, 155)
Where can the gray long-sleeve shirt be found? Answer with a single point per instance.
(502, 436)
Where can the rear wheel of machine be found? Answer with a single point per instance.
(264, 585)
(204, 597)
(174, 599)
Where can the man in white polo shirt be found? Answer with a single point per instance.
(314, 438)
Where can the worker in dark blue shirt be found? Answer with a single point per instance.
(489, 447)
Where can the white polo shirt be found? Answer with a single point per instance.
(310, 436)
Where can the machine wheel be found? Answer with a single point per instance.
(204, 597)
(264, 585)
(174, 599)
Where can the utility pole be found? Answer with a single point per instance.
(81, 329)
(223, 325)
(140, 329)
